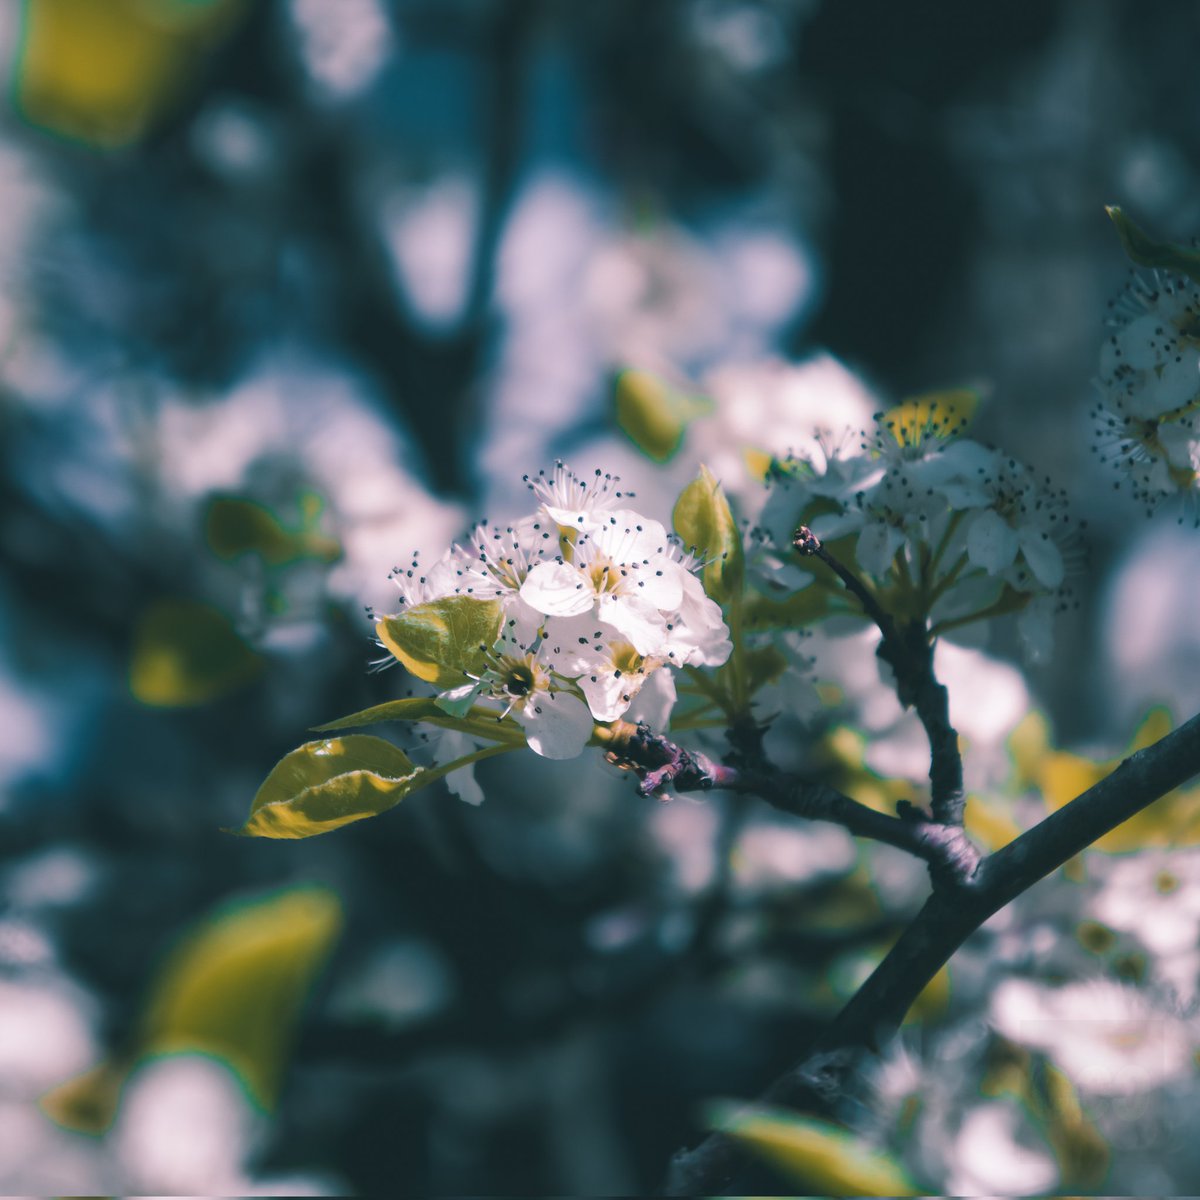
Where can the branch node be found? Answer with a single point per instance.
(659, 763)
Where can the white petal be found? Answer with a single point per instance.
(1043, 557)
(642, 626)
(626, 536)
(991, 542)
(969, 458)
(463, 784)
(964, 494)
(458, 700)
(1178, 440)
(697, 634)
(575, 518)
(558, 590)
(1168, 387)
(556, 727)
(576, 644)
(655, 700)
(521, 626)
(660, 583)
(835, 525)
(609, 694)
(1140, 344)
(452, 744)
(1035, 628)
(877, 546)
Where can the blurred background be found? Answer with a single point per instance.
(292, 289)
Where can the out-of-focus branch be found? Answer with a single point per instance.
(909, 653)
(948, 918)
(661, 764)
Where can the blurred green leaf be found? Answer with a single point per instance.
(103, 72)
(653, 414)
(703, 519)
(444, 640)
(1146, 252)
(235, 985)
(232, 988)
(763, 664)
(323, 785)
(801, 608)
(819, 1157)
(234, 526)
(187, 653)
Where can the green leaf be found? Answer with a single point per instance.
(478, 721)
(653, 414)
(703, 519)
(233, 988)
(1146, 252)
(187, 653)
(235, 526)
(324, 785)
(416, 709)
(444, 640)
(818, 1156)
(763, 665)
(800, 609)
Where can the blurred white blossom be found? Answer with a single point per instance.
(1147, 423)
(1108, 1038)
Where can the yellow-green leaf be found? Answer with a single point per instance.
(324, 785)
(817, 1156)
(444, 640)
(187, 653)
(1172, 820)
(1146, 252)
(234, 526)
(103, 72)
(703, 519)
(412, 709)
(654, 414)
(989, 821)
(233, 988)
(477, 721)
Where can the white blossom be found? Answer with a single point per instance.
(774, 409)
(1147, 423)
(1018, 528)
(575, 502)
(997, 1153)
(945, 521)
(522, 676)
(595, 602)
(1154, 895)
(623, 572)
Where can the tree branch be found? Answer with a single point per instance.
(660, 764)
(948, 918)
(909, 653)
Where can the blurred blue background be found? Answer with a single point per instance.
(292, 289)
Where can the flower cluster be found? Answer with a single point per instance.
(1147, 422)
(943, 526)
(590, 601)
